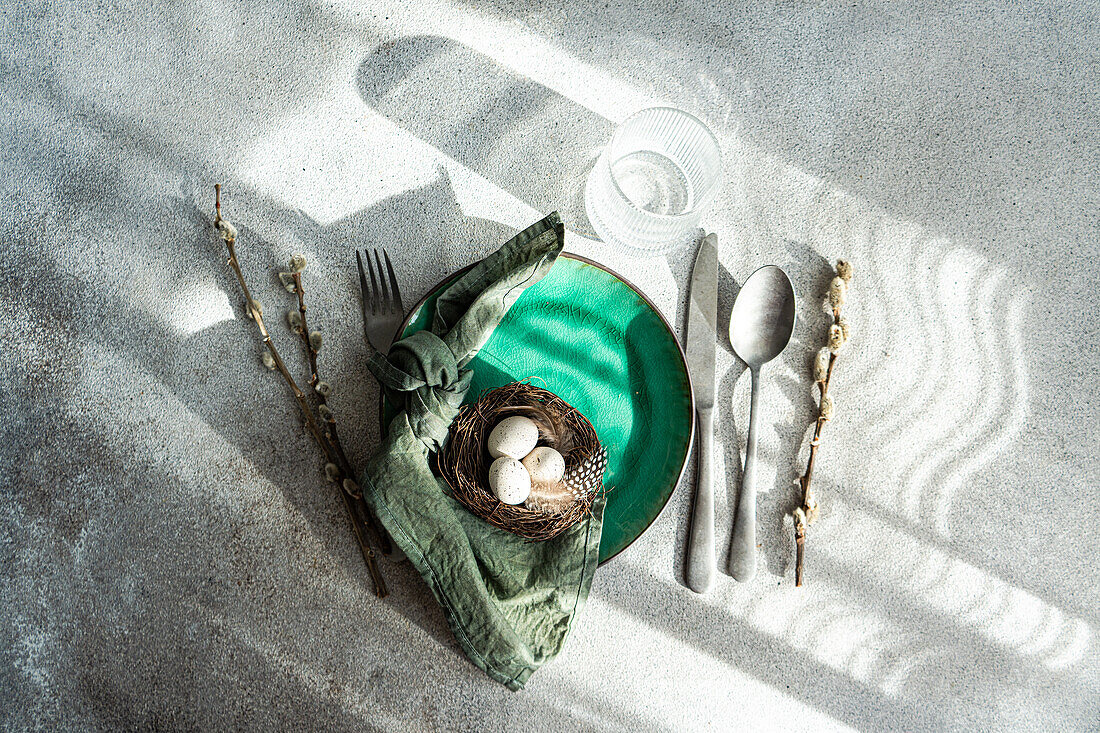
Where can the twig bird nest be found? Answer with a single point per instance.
(551, 508)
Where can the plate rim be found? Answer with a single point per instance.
(664, 322)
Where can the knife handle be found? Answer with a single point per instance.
(700, 555)
(742, 563)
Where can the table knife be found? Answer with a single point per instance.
(702, 338)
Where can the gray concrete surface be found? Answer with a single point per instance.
(172, 557)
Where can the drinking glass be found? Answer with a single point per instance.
(653, 182)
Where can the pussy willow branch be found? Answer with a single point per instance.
(257, 316)
(340, 459)
(800, 526)
(311, 352)
(331, 434)
(299, 396)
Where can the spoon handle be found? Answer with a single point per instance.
(742, 563)
(700, 557)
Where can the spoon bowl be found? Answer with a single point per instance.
(762, 320)
(761, 325)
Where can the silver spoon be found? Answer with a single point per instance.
(761, 324)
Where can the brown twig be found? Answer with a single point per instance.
(838, 336)
(256, 312)
(311, 351)
(311, 354)
(807, 507)
(380, 589)
(331, 434)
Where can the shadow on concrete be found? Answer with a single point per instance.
(525, 138)
(89, 312)
(730, 639)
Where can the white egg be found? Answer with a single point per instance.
(514, 437)
(509, 480)
(545, 465)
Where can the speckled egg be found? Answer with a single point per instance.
(545, 465)
(513, 437)
(509, 480)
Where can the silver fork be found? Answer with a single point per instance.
(382, 308)
(382, 316)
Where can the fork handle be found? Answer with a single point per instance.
(700, 555)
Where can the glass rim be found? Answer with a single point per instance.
(606, 155)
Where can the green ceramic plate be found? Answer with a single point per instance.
(591, 338)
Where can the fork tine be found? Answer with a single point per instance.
(386, 304)
(374, 301)
(393, 283)
(364, 295)
(364, 289)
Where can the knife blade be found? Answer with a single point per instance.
(702, 339)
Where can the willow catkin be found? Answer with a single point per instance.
(297, 263)
(821, 365)
(836, 338)
(844, 270)
(812, 509)
(838, 291)
(351, 488)
(227, 230)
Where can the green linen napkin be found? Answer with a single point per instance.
(510, 603)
